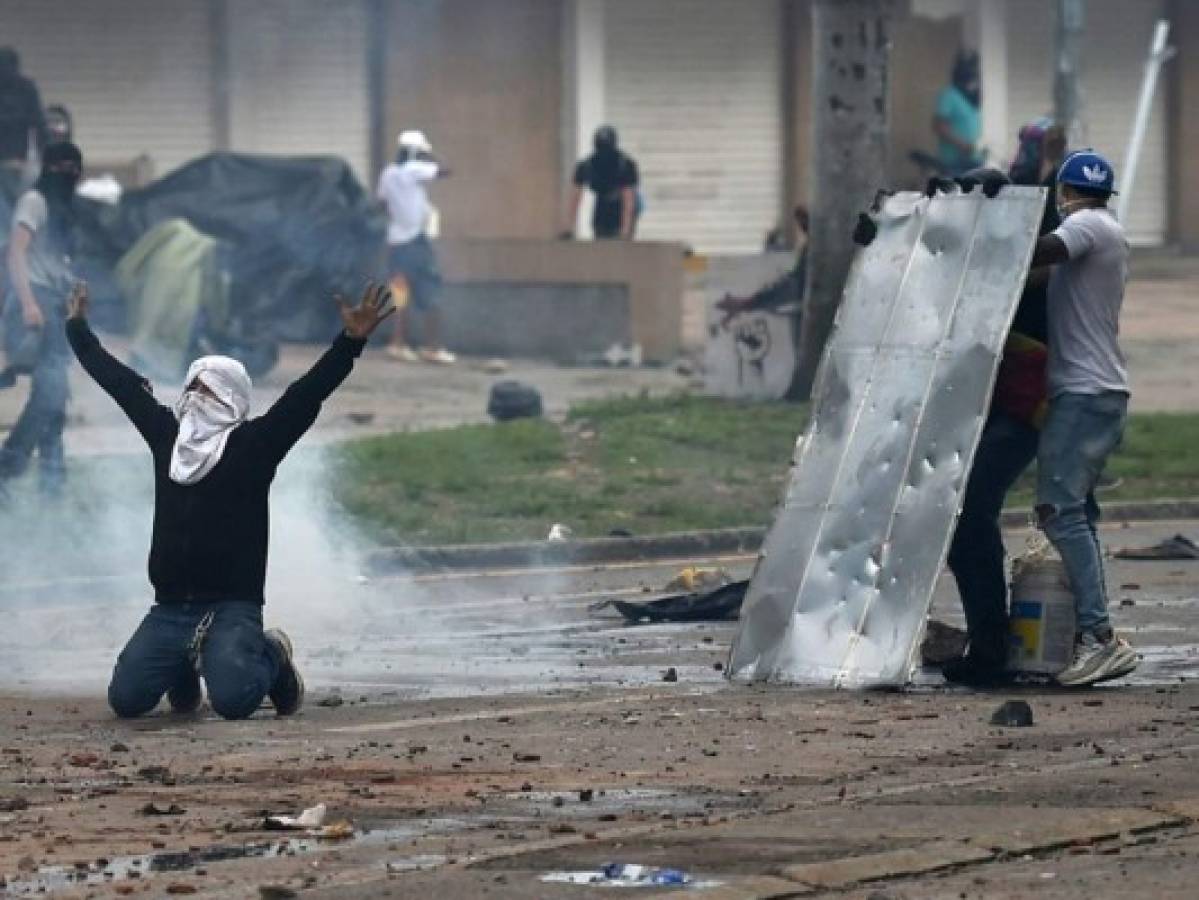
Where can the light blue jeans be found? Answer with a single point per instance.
(1081, 431)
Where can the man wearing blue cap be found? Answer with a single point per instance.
(1088, 399)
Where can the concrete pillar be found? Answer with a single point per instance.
(584, 103)
(850, 106)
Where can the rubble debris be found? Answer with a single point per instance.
(696, 579)
(341, 830)
(526, 757)
(510, 400)
(622, 875)
(13, 804)
(671, 674)
(153, 809)
(313, 817)
(1013, 714)
(1177, 547)
(559, 533)
(332, 701)
(720, 605)
(942, 643)
(276, 892)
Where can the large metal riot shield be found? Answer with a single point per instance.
(845, 579)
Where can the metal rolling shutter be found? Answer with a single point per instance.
(1117, 42)
(298, 79)
(694, 88)
(134, 73)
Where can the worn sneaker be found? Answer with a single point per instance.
(439, 357)
(1098, 658)
(1125, 666)
(187, 694)
(288, 691)
(402, 353)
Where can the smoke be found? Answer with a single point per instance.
(73, 579)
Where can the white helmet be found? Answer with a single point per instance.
(414, 141)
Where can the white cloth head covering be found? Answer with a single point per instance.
(205, 423)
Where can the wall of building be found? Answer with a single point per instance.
(484, 82)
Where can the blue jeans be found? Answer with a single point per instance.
(237, 662)
(1006, 448)
(1081, 432)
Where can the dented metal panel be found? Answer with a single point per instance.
(842, 588)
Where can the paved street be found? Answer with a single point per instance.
(454, 721)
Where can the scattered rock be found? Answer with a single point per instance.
(275, 892)
(1013, 714)
(181, 888)
(332, 701)
(942, 643)
(153, 809)
(84, 760)
(671, 674)
(526, 757)
(13, 804)
(587, 795)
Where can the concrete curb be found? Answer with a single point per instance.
(680, 545)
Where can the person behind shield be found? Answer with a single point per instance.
(213, 468)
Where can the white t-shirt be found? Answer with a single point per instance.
(1085, 296)
(49, 267)
(402, 188)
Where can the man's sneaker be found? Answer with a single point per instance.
(439, 357)
(187, 694)
(402, 353)
(1127, 666)
(976, 671)
(1098, 658)
(288, 691)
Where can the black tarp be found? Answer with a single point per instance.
(294, 230)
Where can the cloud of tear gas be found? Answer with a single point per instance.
(74, 587)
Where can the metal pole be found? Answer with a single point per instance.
(852, 49)
(1067, 104)
(1159, 53)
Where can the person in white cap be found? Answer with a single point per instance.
(403, 189)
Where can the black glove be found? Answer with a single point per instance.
(865, 231)
(992, 181)
(935, 184)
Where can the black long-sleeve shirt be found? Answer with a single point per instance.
(210, 538)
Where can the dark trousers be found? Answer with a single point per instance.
(976, 555)
(40, 425)
(237, 663)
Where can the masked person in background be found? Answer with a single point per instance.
(213, 468)
(958, 119)
(39, 269)
(22, 128)
(610, 174)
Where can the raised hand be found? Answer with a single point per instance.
(78, 301)
(364, 318)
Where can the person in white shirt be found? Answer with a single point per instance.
(1088, 400)
(410, 255)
